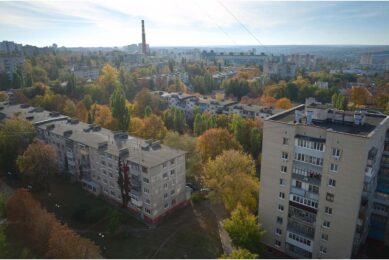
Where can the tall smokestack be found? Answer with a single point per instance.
(144, 50)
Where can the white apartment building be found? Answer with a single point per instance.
(319, 180)
(91, 154)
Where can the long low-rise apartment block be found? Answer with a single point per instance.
(322, 180)
(188, 103)
(91, 154)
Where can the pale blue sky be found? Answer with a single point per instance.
(193, 23)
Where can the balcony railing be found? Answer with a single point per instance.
(305, 193)
(301, 229)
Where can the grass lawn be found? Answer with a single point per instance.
(190, 232)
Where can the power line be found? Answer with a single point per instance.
(243, 26)
(218, 26)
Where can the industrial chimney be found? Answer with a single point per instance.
(144, 50)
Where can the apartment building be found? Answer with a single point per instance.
(91, 154)
(188, 103)
(319, 179)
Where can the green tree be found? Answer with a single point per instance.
(148, 111)
(18, 78)
(240, 128)
(119, 108)
(244, 230)
(231, 176)
(88, 102)
(255, 142)
(3, 243)
(15, 135)
(198, 125)
(291, 91)
(240, 253)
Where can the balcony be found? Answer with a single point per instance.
(300, 215)
(301, 229)
(305, 193)
(312, 179)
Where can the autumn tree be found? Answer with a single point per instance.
(358, 95)
(101, 114)
(108, 79)
(214, 141)
(15, 135)
(267, 100)
(119, 109)
(29, 221)
(151, 127)
(231, 176)
(38, 161)
(81, 111)
(244, 230)
(284, 103)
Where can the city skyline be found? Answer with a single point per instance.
(194, 23)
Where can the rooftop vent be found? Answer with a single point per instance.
(102, 146)
(96, 128)
(68, 133)
(120, 135)
(309, 117)
(156, 145)
(50, 127)
(359, 118)
(30, 117)
(24, 105)
(73, 121)
(123, 152)
(54, 114)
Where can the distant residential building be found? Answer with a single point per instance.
(10, 47)
(91, 155)
(9, 63)
(86, 73)
(189, 102)
(279, 70)
(321, 84)
(307, 61)
(319, 194)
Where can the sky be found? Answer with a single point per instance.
(103, 23)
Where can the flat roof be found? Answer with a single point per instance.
(148, 158)
(371, 122)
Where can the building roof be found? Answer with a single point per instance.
(371, 121)
(58, 124)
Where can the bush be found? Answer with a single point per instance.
(197, 197)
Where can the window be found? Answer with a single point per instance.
(281, 207)
(145, 180)
(172, 172)
(146, 190)
(277, 243)
(282, 182)
(336, 152)
(299, 184)
(323, 250)
(166, 205)
(102, 162)
(284, 155)
(164, 165)
(164, 176)
(165, 185)
(330, 197)
(326, 224)
(147, 201)
(285, 141)
(278, 231)
(284, 169)
(334, 167)
(172, 192)
(324, 237)
(279, 220)
(144, 169)
(165, 195)
(172, 161)
(282, 195)
(328, 210)
(331, 182)
(148, 211)
(313, 188)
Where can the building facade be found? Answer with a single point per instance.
(91, 155)
(319, 179)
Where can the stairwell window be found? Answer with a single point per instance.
(331, 182)
(334, 167)
(284, 169)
